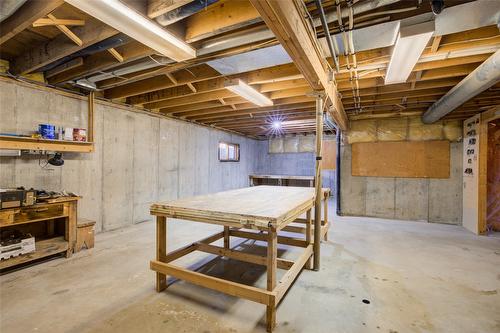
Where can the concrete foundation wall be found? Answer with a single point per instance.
(295, 164)
(138, 158)
(432, 200)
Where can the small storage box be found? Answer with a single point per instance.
(84, 234)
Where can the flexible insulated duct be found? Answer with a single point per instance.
(483, 77)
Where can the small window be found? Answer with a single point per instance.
(229, 152)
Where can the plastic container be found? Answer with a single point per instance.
(47, 131)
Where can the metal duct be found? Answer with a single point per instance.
(359, 7)
(183, 12)
(8, 7)
(483, 77)
(108, 43)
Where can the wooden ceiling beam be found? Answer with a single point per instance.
(253, 77)
(160, 7)
(25, 16)
(102, 61)
(192, 74)
(220, 17)
(287, 21)
(92, 32)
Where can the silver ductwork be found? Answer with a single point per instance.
(184, 11)
(482, 78)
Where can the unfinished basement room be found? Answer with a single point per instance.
(241, 166)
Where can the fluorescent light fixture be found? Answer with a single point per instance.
(244, 90)
(410, 44)
(126, 20)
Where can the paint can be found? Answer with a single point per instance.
(47, 131)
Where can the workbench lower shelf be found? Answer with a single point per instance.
(44, 248)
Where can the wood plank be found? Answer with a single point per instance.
(93, 32)
(42, 22)
(161, 251)
(23, 143)
(253, 206)
(64, 29)
(287, 20)
(329, 161)
(231, 288)
(290, 276)
(272, 255)
(292, 241)
(44, 249)
(220, 17)
(25, 16)
(160, 7)
(116, 54)
(411, 159)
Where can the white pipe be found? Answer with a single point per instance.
(483, 77)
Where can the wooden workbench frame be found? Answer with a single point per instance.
(276, 290)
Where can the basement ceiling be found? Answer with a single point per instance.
(242, 47)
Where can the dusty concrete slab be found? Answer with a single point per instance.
(111, 289)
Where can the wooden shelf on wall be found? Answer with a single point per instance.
(24, 143)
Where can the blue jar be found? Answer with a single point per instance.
(47, 131)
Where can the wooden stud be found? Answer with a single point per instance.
(171, 78)
(226, 237)
(435, 43)
(41, 22)
(115, 54)
(64, 29)
(272, 255)
(161, 251)
(25, 16)
(317, 182)
(192, 87)
(231, 288)
(90, 117)
(308, 235)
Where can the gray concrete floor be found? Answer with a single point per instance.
(418, 277)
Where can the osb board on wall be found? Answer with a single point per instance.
(409, 159)
(329, 158)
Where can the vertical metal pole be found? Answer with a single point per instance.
(319, 194)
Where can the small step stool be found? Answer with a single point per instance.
(84, 234)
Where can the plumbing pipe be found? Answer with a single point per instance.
(327, 34)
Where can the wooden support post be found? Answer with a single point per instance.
(325, 217)
(308, 234)
(226, 237)
(317, 181)
(272, 255)
(90, 118)
(161, 250)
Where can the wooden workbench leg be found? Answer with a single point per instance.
(70, 209)
(272, 257)
(308, 235)
(325, 217)
(226, 237)
(161, 250)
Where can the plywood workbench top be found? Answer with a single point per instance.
(258, 206)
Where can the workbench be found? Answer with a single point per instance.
(263, 211)
(52, 223)
(281, 180)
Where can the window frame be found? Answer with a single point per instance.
(228, 144)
